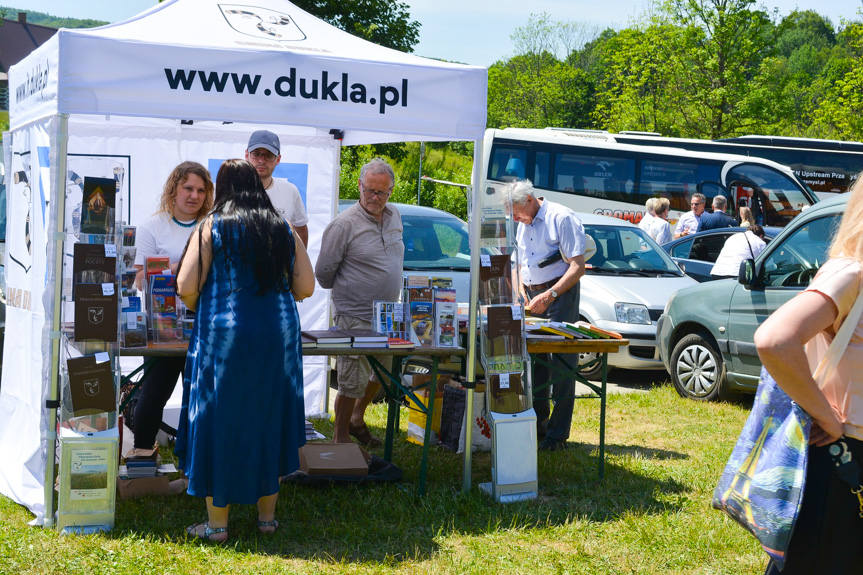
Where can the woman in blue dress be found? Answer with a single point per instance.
(243, 413)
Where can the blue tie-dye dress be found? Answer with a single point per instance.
(243, 416)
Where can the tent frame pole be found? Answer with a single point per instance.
(475, 210)
(59, 211)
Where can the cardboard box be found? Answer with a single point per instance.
(334, 459)
(158, 485)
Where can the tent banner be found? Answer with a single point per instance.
(25, 357)
(33, 86)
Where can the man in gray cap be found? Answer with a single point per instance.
(264, 153)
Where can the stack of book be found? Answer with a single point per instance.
(562, 330)
(366, 337)
(399, 343)
(142, 466)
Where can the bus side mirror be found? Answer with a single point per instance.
(747, 275)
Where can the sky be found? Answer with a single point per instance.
(469, 31)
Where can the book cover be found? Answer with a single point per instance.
(444, 294)
(96, 312)
(97, 208)
(397, 342)
(388, 318)
(414, 281)
(445, 324)
(308, 343)
(441, 282)
(327, 336)
(91, 385)
(133, 330)
(422, 323)
(92, 264)
(157, 264)
(163, 297)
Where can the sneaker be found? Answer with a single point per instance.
(551, 444)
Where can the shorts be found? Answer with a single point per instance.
(354, 370)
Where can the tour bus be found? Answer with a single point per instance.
(828, 167)
(586, 172)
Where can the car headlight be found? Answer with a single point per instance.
(632, 313)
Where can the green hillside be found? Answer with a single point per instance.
(43, 19)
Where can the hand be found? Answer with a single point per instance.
(825, 432)
(539, 303)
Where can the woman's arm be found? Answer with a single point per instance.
(189, 283)
(303, 284)
(780, 341)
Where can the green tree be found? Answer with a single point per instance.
(384, 22)
(840, 113)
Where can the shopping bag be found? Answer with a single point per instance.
(762, 485)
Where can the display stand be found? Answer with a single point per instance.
(505, 359)
(92, 295)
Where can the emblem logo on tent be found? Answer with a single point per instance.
(262, 23)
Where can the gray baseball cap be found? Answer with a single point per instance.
(266, 140)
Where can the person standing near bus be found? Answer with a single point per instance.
(649, 214)
(717, 219)
(551, 292)
(689, 222)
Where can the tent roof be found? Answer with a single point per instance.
(270, 63)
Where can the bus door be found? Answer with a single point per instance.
(749, 195)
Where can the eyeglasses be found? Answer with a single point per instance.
(263, 155)
(696, 204)
(369, 193)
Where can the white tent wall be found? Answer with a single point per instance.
(127, 85)
(26, 357)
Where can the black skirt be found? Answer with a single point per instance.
(828, 535)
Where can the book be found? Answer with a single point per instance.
(96, 308)
(399, 343)
(413, 281)
(91, 385)
(308, 343)
(157, 264)
(421, 306)
(97, 207)
(444, 294)
(551, 330)
(444, 282)
(325, 337)
(603, 333)
(93, 264)
(445, 324)
(163, 308)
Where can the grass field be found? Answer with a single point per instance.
(651, 514)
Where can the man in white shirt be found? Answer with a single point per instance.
(552, 292)
(688, 222)
(264, 153)
(649, 214)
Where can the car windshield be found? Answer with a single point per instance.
(436, 242)
(622, 250)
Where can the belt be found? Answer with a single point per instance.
(546, 285)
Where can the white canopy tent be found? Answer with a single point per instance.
(186, 80)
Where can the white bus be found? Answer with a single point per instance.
(588, 173)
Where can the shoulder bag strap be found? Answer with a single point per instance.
(840, 342)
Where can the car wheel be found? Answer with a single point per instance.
(697, 369)
(594, 372)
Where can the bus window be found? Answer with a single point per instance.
(508, 163)
(676, 180)
(542, 169)
(591, 175)
(772, 193)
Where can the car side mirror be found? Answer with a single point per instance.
(747, 275)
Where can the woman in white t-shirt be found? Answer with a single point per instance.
(186, 198)
(649, 214)
(738, 247)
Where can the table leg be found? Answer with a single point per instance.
(602, 397)
(428, 431)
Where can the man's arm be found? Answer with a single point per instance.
(333, 249)
(303, 234)
(567, 281)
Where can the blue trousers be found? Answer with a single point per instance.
(556, 424)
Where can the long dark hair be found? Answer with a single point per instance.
(263, 238)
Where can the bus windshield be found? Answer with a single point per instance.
(771, 195)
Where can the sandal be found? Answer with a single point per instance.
(208, 533)
(268, 526)
(363, 435)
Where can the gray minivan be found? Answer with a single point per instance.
(706, 332)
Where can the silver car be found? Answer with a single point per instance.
(625, 288)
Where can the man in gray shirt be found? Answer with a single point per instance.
(361, 259)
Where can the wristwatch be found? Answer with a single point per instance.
(553, 293)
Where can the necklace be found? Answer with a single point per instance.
(191, 224)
